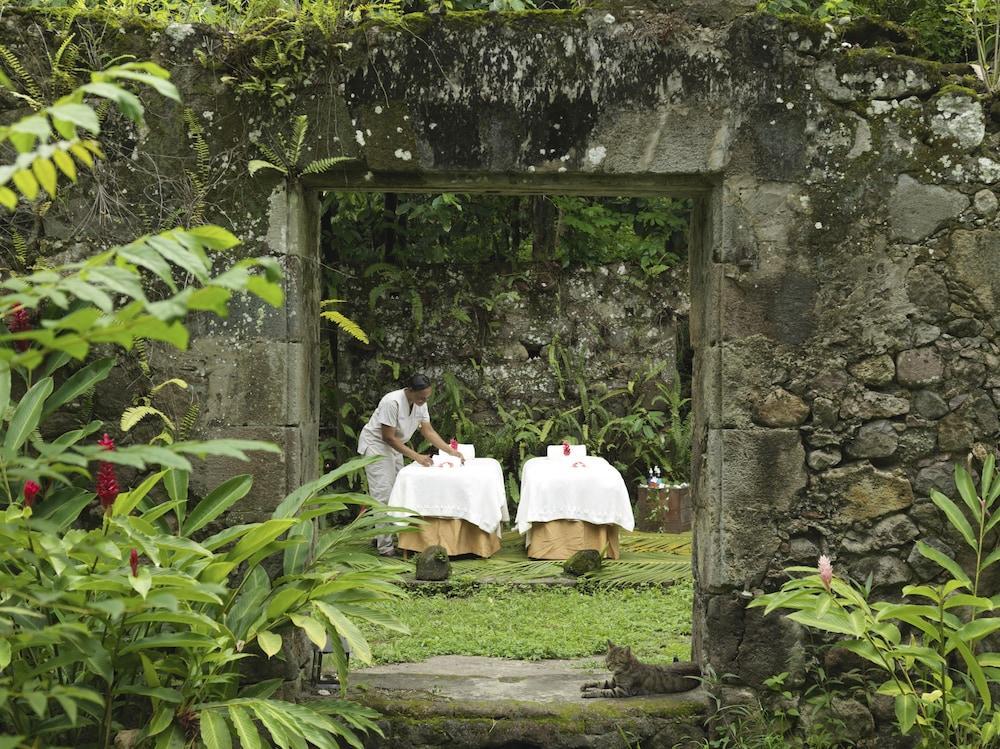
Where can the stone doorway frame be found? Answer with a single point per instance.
(295, 212)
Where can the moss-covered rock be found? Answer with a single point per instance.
(582, 562)
(433, 564)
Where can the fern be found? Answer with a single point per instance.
(298, 138)
(188, 421)
(143, 355)
(346, 324)
(134, 414)
(20, 247)
(14, 65)
(321, 165)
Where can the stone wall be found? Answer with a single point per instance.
(844, 287)
(499, 330)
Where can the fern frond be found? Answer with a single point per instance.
(321, 165)
(329, 302)
(188, 421)
(196, 132)
(273, 156)
(134, 414)
(346, 324)
(257, 165)
(140, 349)
(30, 85)
(416, 308)
(175, 381)
(298, 139)
(20, 247)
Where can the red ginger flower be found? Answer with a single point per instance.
(107, 482)
(31, 489)
(133, 562)
(453, 444)
(565, 448)
(19, 322)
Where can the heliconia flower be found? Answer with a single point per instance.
(19, 322)
(133, 562)
(565, 447)
(31, 489)
(825, 571)
(453, 444)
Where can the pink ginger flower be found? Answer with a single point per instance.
(565, 448)
(825, 571)
(19, 322)
(107, 482)
(133, 562)
(453, 444)
(31, 489)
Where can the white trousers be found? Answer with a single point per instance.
(381, 476)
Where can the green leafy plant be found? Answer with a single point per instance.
(939, 674)
(285, 157)
(130, 621)
(982, 19)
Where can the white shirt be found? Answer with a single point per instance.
(395, 411)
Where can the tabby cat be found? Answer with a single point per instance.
(632, 677)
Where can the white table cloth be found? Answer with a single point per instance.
(572, 488)
(473, 492)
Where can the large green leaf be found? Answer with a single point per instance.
(258, 537)
(26, 417)
(220, 499)
(955, 516)
(346, 629)
(4, 390)
(949, 564)
(215, 731)
(246, 731)
(906, 712)
(79, 383)
(291, 504)
(63, 507)
(127, 502)
(294, 560)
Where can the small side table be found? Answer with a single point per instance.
(666, 509)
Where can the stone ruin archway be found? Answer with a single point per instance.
(846, 308)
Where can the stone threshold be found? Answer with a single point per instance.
(466, 702)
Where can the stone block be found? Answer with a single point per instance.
(275, 476)
(779, 408)
(919, 367)
(928, 405)
(754, 477)
(876, 439)
(871, 405)
(861, 492)
(917, 210)
(874, 371)
(972, 262)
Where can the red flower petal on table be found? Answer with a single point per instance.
(453, 444)
(565, 447)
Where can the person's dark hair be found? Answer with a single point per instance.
(418, 382)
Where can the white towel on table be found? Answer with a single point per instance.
(474, 492)
(588, 488)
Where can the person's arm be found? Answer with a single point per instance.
(389, 437)
(431, 435)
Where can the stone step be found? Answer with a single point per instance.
(464, 702)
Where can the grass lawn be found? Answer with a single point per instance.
(538, 623)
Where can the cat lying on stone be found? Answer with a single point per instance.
(630, 677)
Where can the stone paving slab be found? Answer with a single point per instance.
(465, 702)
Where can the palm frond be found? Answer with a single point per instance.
(624, 573)
(495, 570)
(660, 543)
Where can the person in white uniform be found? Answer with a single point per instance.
(399, 414)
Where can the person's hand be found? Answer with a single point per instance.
(456, 454)
(424, 460)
